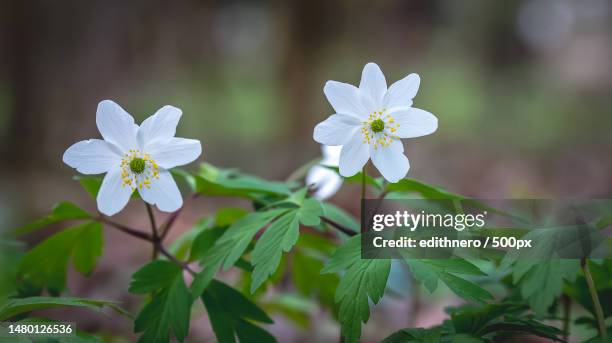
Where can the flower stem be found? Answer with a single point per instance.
(584, 263)
(567, 309)
(363, 195)
(339, 227)
(125, 229)
(156, 239)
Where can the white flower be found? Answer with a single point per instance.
(325, 181)
(134, 157)
(371, 119)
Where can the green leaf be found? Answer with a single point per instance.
(280, 237)
(340, 216)
(228, 215)
(169, 308)
(204, 241)
(61, 212)
(91, 184)
(14, 307)
(541, 281)
(11, 252)
(415, 335)
(154, 275)
(218, 182)
(46, 264)
(182, 246)
(364, 279)
(230, 313)
(428, 272)
(229, 247)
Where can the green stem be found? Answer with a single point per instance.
(363, 182)
(584, 263)
(156, 238)
(363, 195)
(567, 310)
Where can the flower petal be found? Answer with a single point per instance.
(325, 181)
(331, 155)
(161, 125)
(163, 193)
(373, 84)
(354, 155)
(116, 125)
(415, 122)
(336, 130)
(399, 96)
(391, 161)
(174, 151)
(345, 99)
(113, 196)
(93, 156)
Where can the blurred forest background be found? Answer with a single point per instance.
(522, 90)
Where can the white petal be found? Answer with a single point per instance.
(391, 161)
(373, 84)
(93, 156)
(336, 130)
(112, 196)
(331, 155)
(354, 155)
(415, 122)
(400, 94)
(116, 125)
(174, 151)
(163, 193)
(345, 99)
(325, 181)
(161, 125)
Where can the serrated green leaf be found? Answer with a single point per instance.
(61, 212)
(46, 264)
(228, 248)
(14, 307)
(428, 272)
(364, 279)
(167, 312)
(230, 312)
(152, 276)
(280, 237)
(541, 281)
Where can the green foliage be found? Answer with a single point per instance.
(363, 280)
(61, 212)
(488, 323)
(541, 281)
(231, 314)
(45, 266)
(280, 237)
(429, 272)
(214, 181)
(13, 307)
(169, 307)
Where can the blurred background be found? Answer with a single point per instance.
(522, 90)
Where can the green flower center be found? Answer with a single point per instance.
(137, 165)
(378, 125)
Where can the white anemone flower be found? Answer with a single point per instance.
(134, 157)
(371, 120)
(325, 181)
